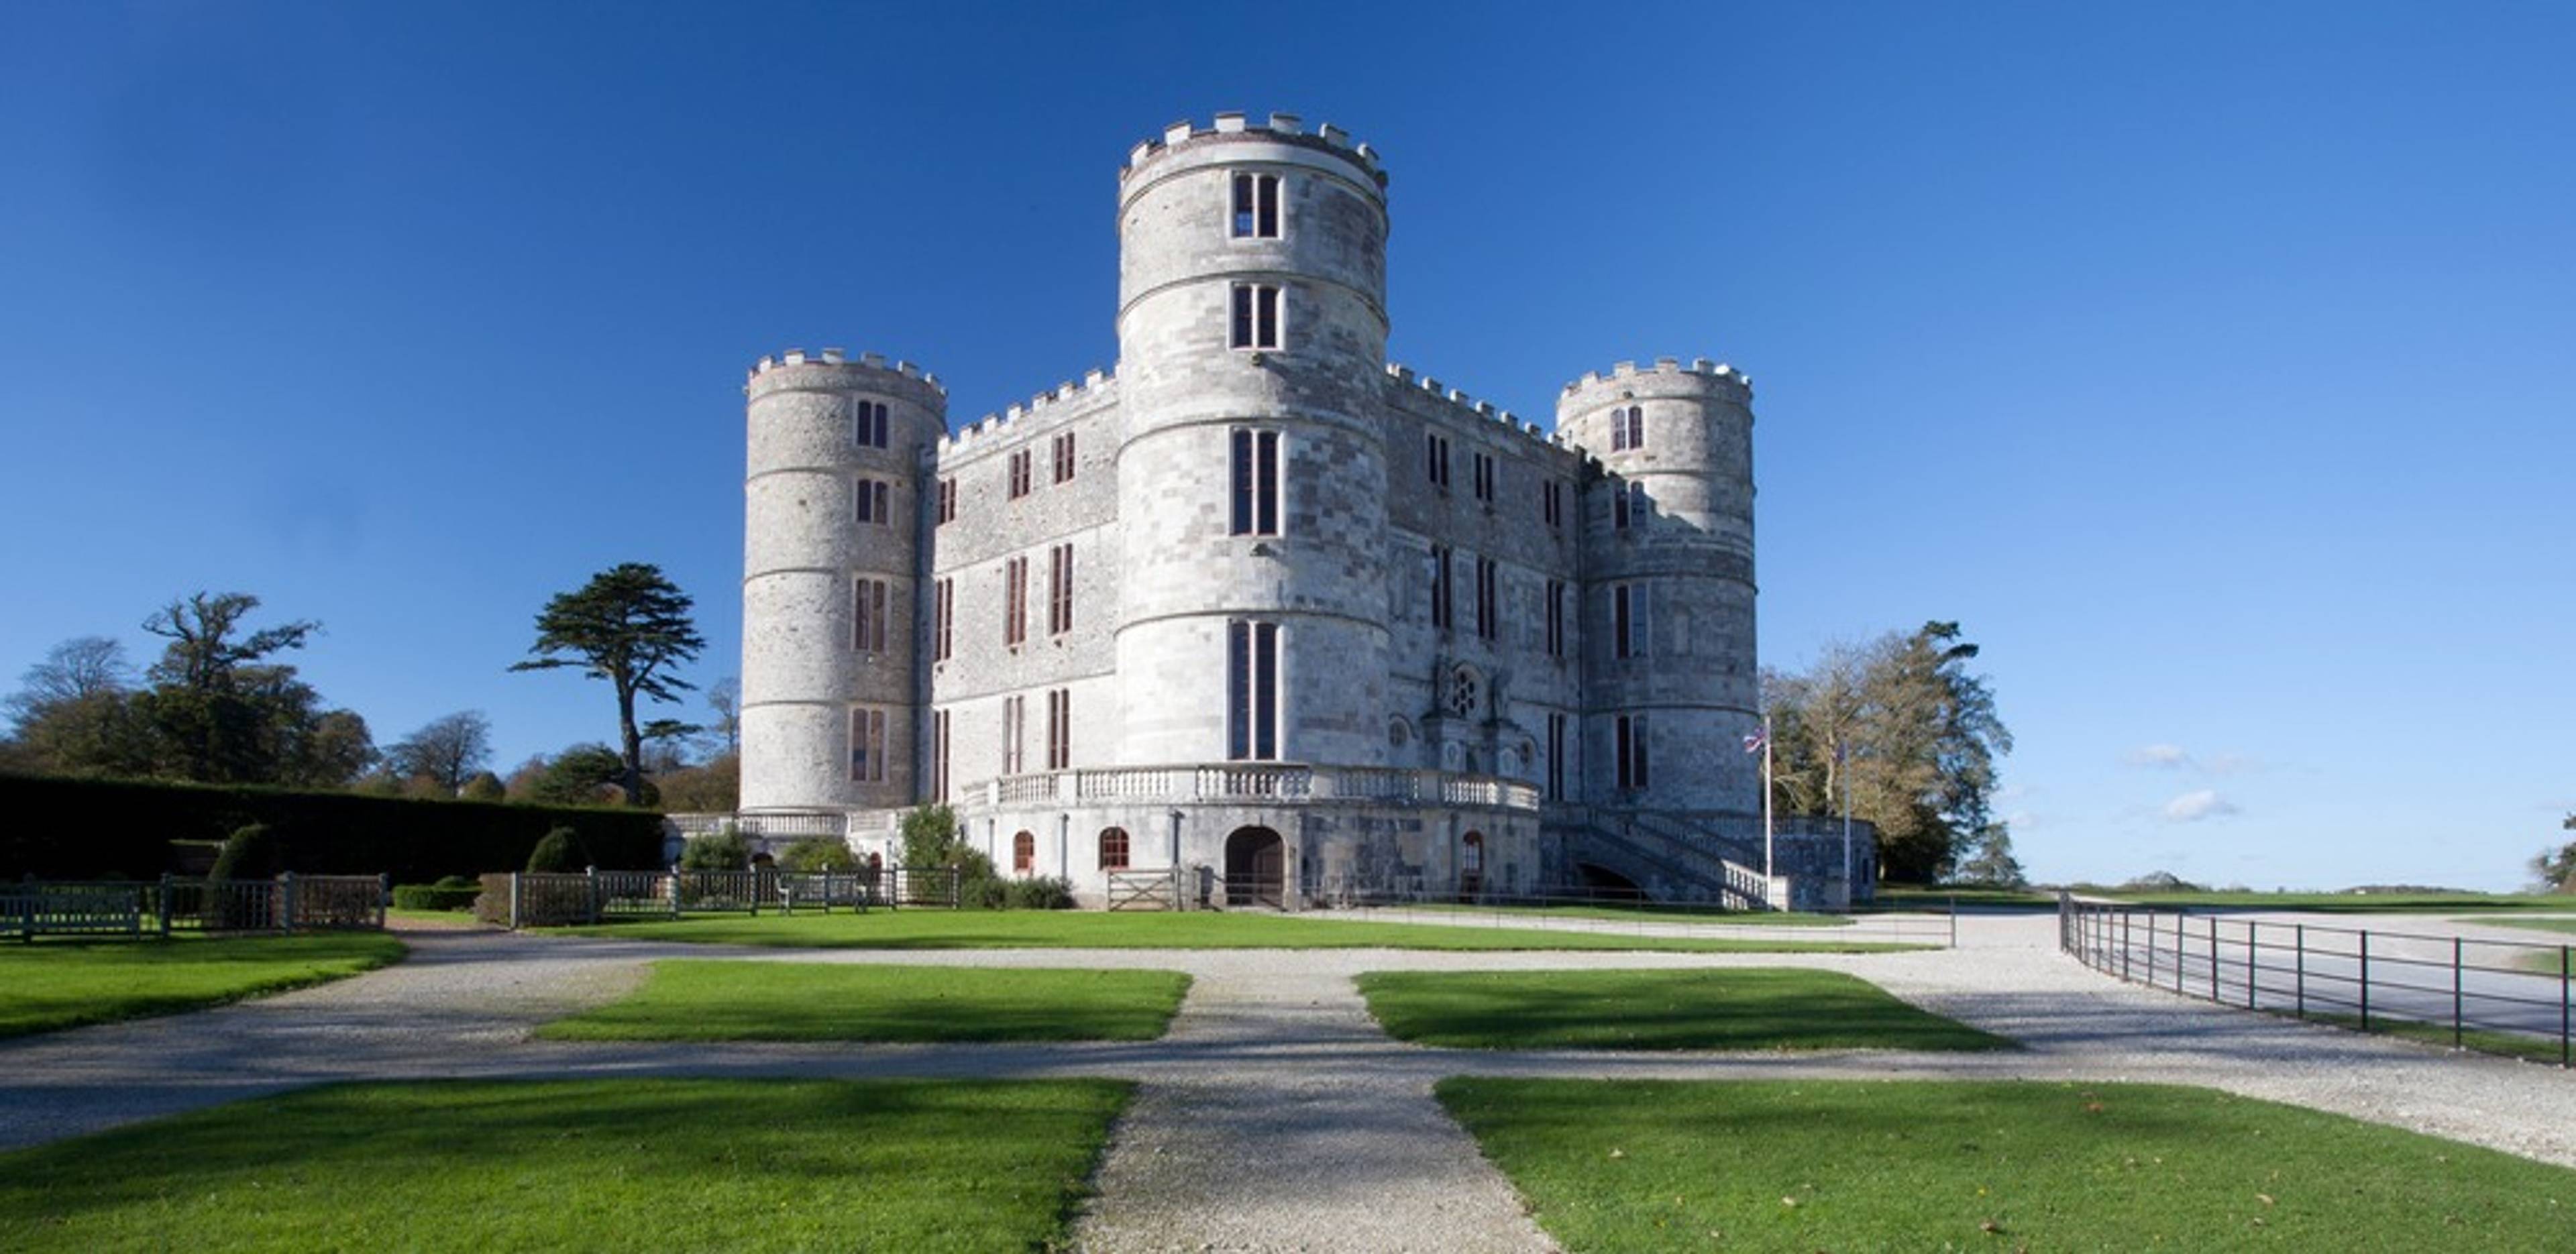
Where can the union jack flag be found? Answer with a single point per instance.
(1754, 742)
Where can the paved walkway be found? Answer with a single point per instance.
(1274, 1116)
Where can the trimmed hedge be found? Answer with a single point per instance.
(93, 828)
(453, 893)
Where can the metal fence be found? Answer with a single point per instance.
(534, 899)
(172, 904)
(2510, 997)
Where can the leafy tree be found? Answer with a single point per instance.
(579, 776)
(930, 836)
(76, 669)
(2557, 867)
(74, 713)
(629, 626)
(818, 853)
(446, 751)
(725, 850)
(483, 786)
(1908, 729)
(714, 787)
(220, 711)
(1990, 860)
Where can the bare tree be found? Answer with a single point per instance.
(724, 696)
(446, 751)
(83, 666)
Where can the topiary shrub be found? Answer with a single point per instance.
(1046, 892)
(725, 850)
(818, 853)
(439, 896)
(250, 853)
(559, 852)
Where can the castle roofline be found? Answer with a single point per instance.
(1285, 128)
(841, 359)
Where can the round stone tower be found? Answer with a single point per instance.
(831, 525)
(1252, 471)
(1677, 442)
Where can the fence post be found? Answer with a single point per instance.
(2563, 1003)
(2124, 944)
(671, 889)
(2253, 969)
(2213, 958)
(1954, 922)
(165, 904)
(516, 891)
(2299, 964)
(593, 873)
(2365, 979)
(2455, 992)
(384, 896)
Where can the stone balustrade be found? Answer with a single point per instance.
(1256, 783)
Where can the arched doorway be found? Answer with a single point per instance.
(1471, 866)
(1256, 866)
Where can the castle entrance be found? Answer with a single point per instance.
(1256, 864)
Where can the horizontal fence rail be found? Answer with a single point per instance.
(2511, 997)
(541, 899)
(173, 904)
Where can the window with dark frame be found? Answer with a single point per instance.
(1019, 469)
(943, 620)
(939, 754)
(1064, 458)
(1024, 852)
(867, 746)
(1627, 503)
(1552, 502)
(868, 424)
(1628, 620)
(872, 502)
(1015, 718)
(1015, 602)
(1484, 472)
(1489, 618)
(1256, 206)
(1435, 459)
(1441, 608)
(1059, 589)
(1252, 691)
(1256, 483)
(1059, 728)
(1113, 849)
(1556, 618)
(868, 615)
(1556, 757)
(947, 501)
(1256, 316)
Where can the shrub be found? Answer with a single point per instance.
(438, 896)
(559, 851)
(726, 850)
(250, 853)
(484, 786)
(818, 853)
(1047, 892)
(492, 904)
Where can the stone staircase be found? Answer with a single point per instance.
(1671, 862)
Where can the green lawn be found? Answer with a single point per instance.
(66, 983)
(1937, 897)
(1647, 911)
(701, 1000)
(567, 1165)
(2481, 1040)
(1194, 929)
(1859, 1165)
(1751, 1008)
(2533, 924)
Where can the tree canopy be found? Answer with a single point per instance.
(630, 626)
(1901, 724)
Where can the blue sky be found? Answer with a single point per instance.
(2210, 364)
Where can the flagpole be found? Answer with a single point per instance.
(1842, 767)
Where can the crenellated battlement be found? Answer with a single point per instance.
(1719, 375)
(1471, 408)
(1045, 404)
(840, 359)
(1281, 126)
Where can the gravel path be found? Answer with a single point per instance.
(1274, 1116)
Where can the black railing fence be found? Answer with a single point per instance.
(2497, 996)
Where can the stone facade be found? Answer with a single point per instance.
(1200, 602)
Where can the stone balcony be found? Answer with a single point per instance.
(1237, 783)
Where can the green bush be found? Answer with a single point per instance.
(818, 853)
(1047, 892)
(128, 827)
(559, 851)
(250, 853)
(725, 850)
(439, 896)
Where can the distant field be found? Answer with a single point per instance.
(2352, 903)
(2536, 925)
(703, 1000)
(1932, 897)
(479, 1167)
(1803, 1165)
(1195, 929)
(63, 983)
(1739, 1008)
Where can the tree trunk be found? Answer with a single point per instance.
(632, 746)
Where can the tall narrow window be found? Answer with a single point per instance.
(1256, 483)
(1113, 849)
(1435, 459)
(1440, 606)
(868, 616)
(1552, 502)
(1628, 620)
(1636, 427)
(1019, 467)
(1556, 757)
(1015, 718)
(943, 620)
(1484, 471)
(871, 496)
(1059, 589)
(1556, 618)
(1256, 316)
(939, 754)
(947, 500)
(1064, 457)
(1024, 853)
(867, 746)
(868, 424)
(1627, 503)
(1252, 691)
(1015, 601)
(1489, 616)
(1059, 728)
(1631, 735)
(1256, 206)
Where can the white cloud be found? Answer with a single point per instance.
(2168, 757)
(2192, 807)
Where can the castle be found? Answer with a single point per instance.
(1259, 606)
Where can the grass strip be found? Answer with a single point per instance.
(1642, 912)
(2480, 1040)
(749, 1165)
(63, 983)
(694, 999)
(1768, 1008)
(1919, 1165)
(1194, 929)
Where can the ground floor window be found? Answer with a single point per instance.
(1113, 849)
(1024, 853)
